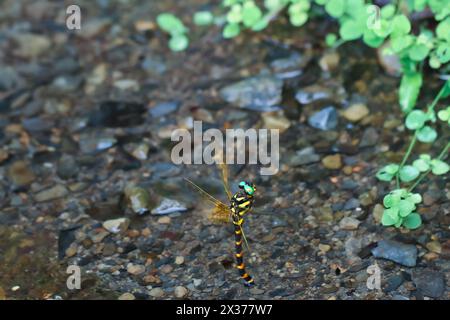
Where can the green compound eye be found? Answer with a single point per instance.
(249, 189)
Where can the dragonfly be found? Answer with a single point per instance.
(240, 203)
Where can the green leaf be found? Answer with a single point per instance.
(171, 24)
(400, 25)
(416, 119)
(400, 43)
(231, 30)
(387, 172)
(409, 90)
(444, 115)
(421, 165)
(418, 52)
(335, 8)
(426, 134)
(415, 198)
(439, 167)
(408, 173)
(330, 39)
(350, 30)
(178, 42)
(298, 19)
(443, 52)
(387, 220)
(443, 29)
(405, 207)
(412, 221)
(388, 11)
(251, 14)
(371, 39)
(391, 200)
(234, 16)
(203, 18)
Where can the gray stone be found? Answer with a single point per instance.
(52, 193)
(259, 93)
(404, 254)
(304, 156)
(430, 283)
(325, 119)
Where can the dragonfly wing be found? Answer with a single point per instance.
(221, 212)
(224, 172)
(245, 239)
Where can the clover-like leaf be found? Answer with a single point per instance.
(203, 18)
(335, 8)
(415, 198)
(439, 167)
(405, 207)
(421, 165)
(231, 30)
(251, 13)
(400, 25)
(387, 172)
(234, 16)
(170, 23)
(391, 200)
(390, 217)
(409, 90)
(178, 42)
(418, 52)
(408, 173)
(444, 114)
(298, 19)
(350, 30)
(412, 221)
(426, 134)
(416, 119)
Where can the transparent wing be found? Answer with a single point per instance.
(224, 172)
(221, 212)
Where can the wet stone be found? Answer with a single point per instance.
(349, 223)
(332, 162)
(127, 296)
(430, 283)
(55, 192)
(259, 93)
(94, 144)
(116, 114)
(351, 204)
(325, 119)
(156, 293)
(67, 167)
(393, 283)
(304, 156)
(20, 173)
(164, 108)
(138, 199)
(356, 112)
(116, 225)
(312, 94)
(135, 269)
(181, 292)
(404, 254)
(168, 206)
(369, 138)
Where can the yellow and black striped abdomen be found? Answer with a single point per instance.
(240, 205)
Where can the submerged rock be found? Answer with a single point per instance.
(404, 254)
(430, 283)
(116, 225)
(20, 173)
(52, 193)
(325, 119)
(168, 206)
(304, 156)
(259, 93)
(138, 199)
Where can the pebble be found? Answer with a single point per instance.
(329, 61)
(55, 192)
(135, 269)
(356, 112)
(369, 138)
(166, 269)
(404, 254)
(127, 296)
(304, 156)
(434, 246)
(179, 260)
(332, 162)
(325, 119)
(181, 292)
(138, 199)
(156, 292)
(71, 250)
(349, 223)
(31, 45)
(377, 212)
(92, 144)
(256, 291)
(67, 167)
(324, 247)
(430, 283)
(20, 173)
(164, 108)
(275, 120)
(116, 225)
(168, 206)
(312, 94)
(258, 93)
(164, 220)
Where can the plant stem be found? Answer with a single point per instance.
(414, 139)
(440, 157)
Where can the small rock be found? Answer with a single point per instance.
(156, 292)
(138, 199)
(92, 145)
(67, 167)
(378, 212)
(52, 193)
(164, 220)
(313, 94)
(390, 62)
(168, 206)
(256, 291)
(325, 119)
(404, 254)
(329, 61)
(332, 162)
(127, 296)
(32, 45)
(369, 138)
(141, 151)
(275, 120)
(127, 84)
(356, 112)
(20, 173)
(351, 204)
(179, 260)
(116, 225)
(167, 268)
(135, 269)
(259, 93)
(181, 292)
(393, 283)
(349, 223)
(324, 247)
(71, 250)
(304, 156)
(430, 283)
(434, 246)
